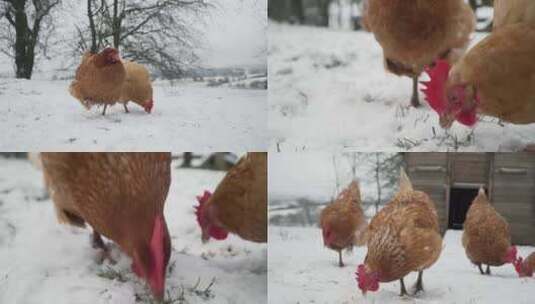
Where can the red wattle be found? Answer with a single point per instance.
(434, 89)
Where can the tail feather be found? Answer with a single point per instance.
(404, 181)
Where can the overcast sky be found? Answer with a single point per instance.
(236, 33)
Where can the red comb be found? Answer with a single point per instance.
(148, 105)
(518, 266)
(360, 275)
(435, 87)
(198, 209)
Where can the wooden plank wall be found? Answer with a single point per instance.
(510, 177)
(428, 173)
(514, 193)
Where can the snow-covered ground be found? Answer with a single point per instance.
(301, 270)
(42, 261)
(329, 91)
(41, 115)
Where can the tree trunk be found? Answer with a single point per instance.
(24, 64)
(93, 48)
(116, 25)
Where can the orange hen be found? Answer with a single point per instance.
(486, 236)
(496, 77)
(525, 268)
(122, 196)
(239, 203)
(99, 79)
(137, 87)
(415, 33)
(343, 222)
(403, 237)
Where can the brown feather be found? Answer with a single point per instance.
(137, 87)
(118, 194)
(240, 200)
(415, 33)
(502, 69)
(486, 236)
(507, 12)
(344, 219)
(96, 82)
(404, 236)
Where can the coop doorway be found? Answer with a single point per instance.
(460, 200)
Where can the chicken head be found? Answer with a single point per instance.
(511, 255)
(205, 218)
(150, 263)
(367, 281)
(450, 98)
(148, 105)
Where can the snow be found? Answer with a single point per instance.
(301, 270)
(42, 261)
(41, 115)
(329, 91)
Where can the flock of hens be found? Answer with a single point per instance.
(122, 197)
(404, 236)
(493, 78)
(105, 79)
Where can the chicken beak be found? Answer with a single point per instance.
(446, 121)
(205, 237)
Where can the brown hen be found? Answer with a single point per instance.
(525, 268)
(342, 222)
(486, 236)
(99, 79)
(403, 237)
(415, 33)
(122, 196)
(239, 203)
(137, 87)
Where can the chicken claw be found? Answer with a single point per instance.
(340, 262)
(488, 270)
(403, 292)
(480, 269)
(98, 243)
(419, 286)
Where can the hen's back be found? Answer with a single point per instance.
(137, 87)
(415, 33)
(110, 191)
(508, 12)
(486, 236)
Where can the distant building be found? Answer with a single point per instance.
(453, 179)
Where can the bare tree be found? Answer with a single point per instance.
(27, 19)
(158, 33)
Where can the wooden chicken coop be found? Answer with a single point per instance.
(453, 179)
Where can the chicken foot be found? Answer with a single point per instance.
(419, 286)
(403, 291)
(480, 269)
(415, 101)
(98, 243)
(104, 111)
(488, 270)
(125, 108)
(340, 262)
